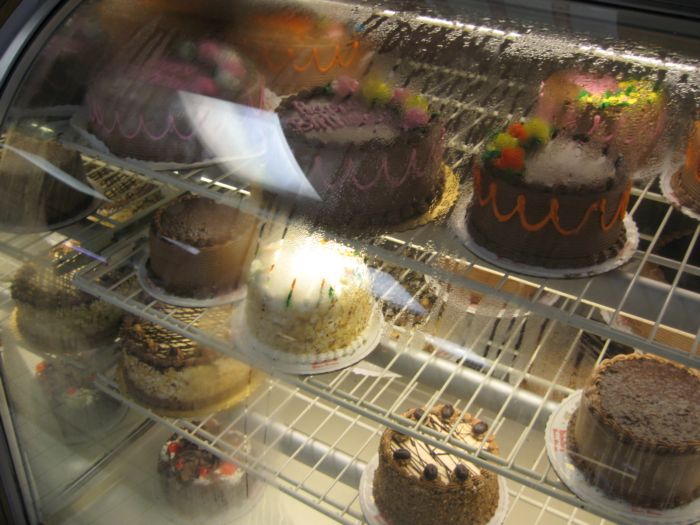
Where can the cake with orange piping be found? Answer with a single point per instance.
(554, 203)
(686, 182)
(296, 48)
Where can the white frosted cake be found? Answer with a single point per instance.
(308, 298)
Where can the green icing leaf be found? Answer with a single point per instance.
(331, 293)
(583, 94)
(288, 302)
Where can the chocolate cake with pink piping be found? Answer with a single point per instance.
(137, 111)
(373, 153)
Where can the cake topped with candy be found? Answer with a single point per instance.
(307, 298)
(551, 202)
(136, 108)
(371, 151)
(626, 117)
(296, 48)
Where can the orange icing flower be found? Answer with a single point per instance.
(41, 367)
(517, 130)
(511, 159)
(227, 469)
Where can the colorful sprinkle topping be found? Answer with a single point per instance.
(506, 150)
(627, 93)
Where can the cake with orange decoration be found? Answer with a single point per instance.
(371, 151)
(297, 49)
(554, 203)
(626, 117)
(686, 182)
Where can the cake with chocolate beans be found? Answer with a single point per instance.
(636, 434)
(418, 483)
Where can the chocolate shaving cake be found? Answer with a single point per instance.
(166, 371)
(418, 483)
(199, 248)
(55, 316)
(31, 197)
(636, 434)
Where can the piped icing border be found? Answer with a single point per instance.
(600, 205)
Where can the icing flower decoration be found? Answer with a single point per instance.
(173, 448)
(41, 368)
(506, 150)
(400, 96)
(227, 469)
(416, 101)
(209, 51)
(375, 91)
(203, 472)
(415, 118)
(627, 93)
(345, 86)
(71, 390)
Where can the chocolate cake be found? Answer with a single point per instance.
(373, 154)
(636, 434)
(31, 197)
(166, 371)
(137, 109)
(55, 316)
(199, 248)
(195, 481)
(418, 483)
(561, 206)
(686, 182)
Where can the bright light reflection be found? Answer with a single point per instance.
(249, 143)
(638, 58)
(223, 185)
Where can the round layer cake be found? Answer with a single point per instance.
(138, 109)
(56, 317)
(199, 248)
(627, 117)
(636, 434)
(686, 182)
(31, 197)
(373, 154)
(297, 49)
(554, 204)
(308, 298)
(83, 412)
(166, 371)
(417, 483)
(196, 481)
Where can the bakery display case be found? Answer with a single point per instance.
(355, 262)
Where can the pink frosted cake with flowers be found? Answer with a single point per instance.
(625, 117)
(373, 153)
(137, 111)
(554, 203)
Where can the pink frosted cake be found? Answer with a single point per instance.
(625, 117)
(373, 153)
(137, 110)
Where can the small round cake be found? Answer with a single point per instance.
(199, 248)
(56, 317)
(308, 299)
(297, 49)
(372, 153)
(686, 182)
(636, 434)
(417, 483)
(31, 197)
(553, 204)
(196, 481)
(168, 372)
(138, 111)
(83, 412)
(626, 117)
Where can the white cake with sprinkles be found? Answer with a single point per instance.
(308, 299)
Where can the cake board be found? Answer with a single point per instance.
(670, 195)
(267, 356)
(458, 224)
(257, 378)
(556, 446)
(160, 294)
(82, 214)
(374, 517)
